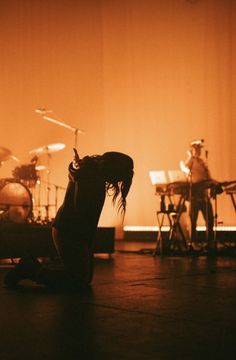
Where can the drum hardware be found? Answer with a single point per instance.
(20, 196)
(43, 112)
(48, 150)
(56, 194)
(57, 187)
(39, 219)
(37, 206)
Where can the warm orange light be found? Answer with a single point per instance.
(166, 228)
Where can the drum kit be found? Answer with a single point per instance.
(20, 201)
(20, 196)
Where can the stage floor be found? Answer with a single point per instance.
(139, 307)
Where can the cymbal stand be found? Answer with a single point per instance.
(57, 187)
(75, 130)
(48, 186)
(56, 194)
(39, 201)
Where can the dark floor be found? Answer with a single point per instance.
(139, 307)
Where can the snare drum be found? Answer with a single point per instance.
(16, 199)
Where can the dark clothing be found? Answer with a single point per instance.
(204, 205)
(76, 221)
(75, 225)
(199, 199)
(83, 203)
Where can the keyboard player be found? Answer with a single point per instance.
(199, 177)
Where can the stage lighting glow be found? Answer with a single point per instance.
(166, 228)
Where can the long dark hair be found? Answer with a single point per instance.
(118, 172)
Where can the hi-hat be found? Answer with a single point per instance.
(48, 149)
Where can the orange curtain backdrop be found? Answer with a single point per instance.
(143, 77)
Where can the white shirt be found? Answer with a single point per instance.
(198, 169)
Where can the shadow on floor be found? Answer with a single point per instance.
(139, 307)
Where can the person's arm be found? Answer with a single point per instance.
(76, 161)
(74, 166)
(189, 161)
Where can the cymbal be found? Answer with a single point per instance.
(5, 154)
(40, 167)
(48, 149)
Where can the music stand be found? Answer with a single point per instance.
(176, 175)
(158, 177)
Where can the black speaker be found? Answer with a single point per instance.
(17, 240)
(104, 242)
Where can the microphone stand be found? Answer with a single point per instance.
(215, 218)
(56, 194)
(207, 199)
(48, 186)
(190, 208)
(76, 131)
(43, 112)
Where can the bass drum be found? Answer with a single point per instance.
(16, 200)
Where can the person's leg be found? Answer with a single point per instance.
(76, 258)
(194, 209)
(208, 215)
(75, 271)
(27, 268)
